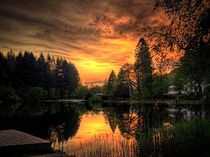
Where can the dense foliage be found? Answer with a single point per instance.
(111, 84)
(143, 68)
(26, 78)
(188, 33)
(138, 80)
(24, 70)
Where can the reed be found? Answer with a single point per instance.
(183, 139)
(103, 146)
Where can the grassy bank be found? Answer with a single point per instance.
(183, 139)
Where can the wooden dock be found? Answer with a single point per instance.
(12, 141)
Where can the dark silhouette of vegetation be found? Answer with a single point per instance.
(65, 126)
(160, 85)
(194, 68)
(81, 92)
(187, 32)
(189, 20)
(182, 139)
(24, 70)
(159, 134)
(143, 69)
(25, 78)
(125, 82)
(111, 84)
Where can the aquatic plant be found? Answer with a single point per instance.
(102, 146)
(183, 139)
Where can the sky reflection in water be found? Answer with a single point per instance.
(94, 133)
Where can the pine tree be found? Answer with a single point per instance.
(42, 71)
(111, 83)
(143, 68)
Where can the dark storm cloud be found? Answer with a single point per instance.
(69, 27)
(72, 20)
(88, 32)
(137, 13)
(43, 21)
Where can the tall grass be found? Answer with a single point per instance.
(191, 138)
(103, 146)
(183, 139)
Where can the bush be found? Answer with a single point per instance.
(10, 101)
(81, 92)
(36, 93)
(95, 98)
(52, 93)
(160, 85)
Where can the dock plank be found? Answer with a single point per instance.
(14, 137)
(17, 140)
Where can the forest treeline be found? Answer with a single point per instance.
(188, 34)
(25, 77)
(25, 70)
(138, 80)
(190, 76)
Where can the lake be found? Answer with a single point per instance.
(111, 129)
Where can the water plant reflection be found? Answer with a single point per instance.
(95, 135)
(128, 130)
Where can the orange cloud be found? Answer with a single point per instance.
(97, 36)
(110, 54)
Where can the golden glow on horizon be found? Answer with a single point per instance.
(92, 70)
(113, 53)
(97, 38)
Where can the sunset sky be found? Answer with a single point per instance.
(96, 35)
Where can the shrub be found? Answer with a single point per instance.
(52, 93)
(81, 92)
(95, 98)
(36, 93)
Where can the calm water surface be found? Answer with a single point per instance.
(85, 130)
(95, 133)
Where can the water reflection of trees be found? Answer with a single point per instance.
(142, 122)
(135, 119)
(65, 126)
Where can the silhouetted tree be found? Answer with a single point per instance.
(50, 72)
(187, 32)
(3, 71)
(25, 71)
(143, 68)
(189, 19)
(111, 84)
(42, 71)
(70, 76)
(194, 66)
(10, 64)
(29, 70)
(59, 76)
(19, 69)
(125, 82)
(127, 75)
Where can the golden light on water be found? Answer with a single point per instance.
(92, 124)
(94, 133)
